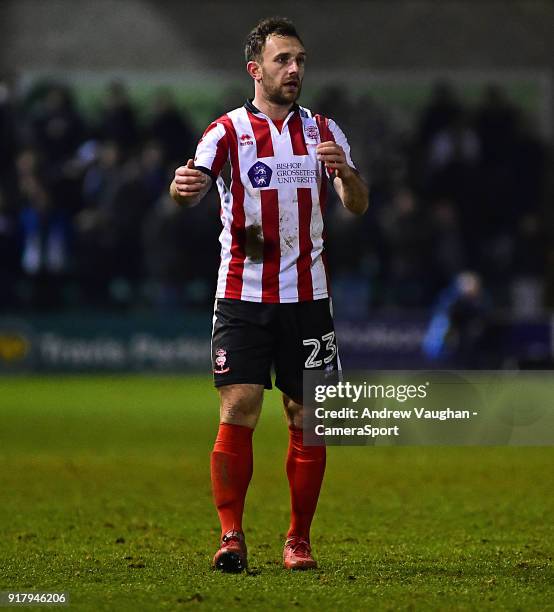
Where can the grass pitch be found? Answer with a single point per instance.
(105, 494)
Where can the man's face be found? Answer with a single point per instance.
(282, 69)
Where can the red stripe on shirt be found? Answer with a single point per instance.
(272, 245)
(304, 262)
(222, 147)
(262, 135)
(233, 286)
(325, 135)
(221, 155)
(323, 204)
(278, 123)
(296, 132)
(324, 129)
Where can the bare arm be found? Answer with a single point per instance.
(350, 188)
(189, 185)
(352, 191)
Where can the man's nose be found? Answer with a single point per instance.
(293, 67)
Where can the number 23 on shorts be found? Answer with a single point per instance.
(320, 355)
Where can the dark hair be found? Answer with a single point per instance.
(255, 43)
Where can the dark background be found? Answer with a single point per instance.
(448, 107)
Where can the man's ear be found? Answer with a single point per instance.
(254, 70)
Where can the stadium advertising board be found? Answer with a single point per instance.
(103, 344)
(181, 343)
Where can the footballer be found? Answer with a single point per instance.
(272, 307)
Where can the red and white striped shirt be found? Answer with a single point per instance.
(272, 243)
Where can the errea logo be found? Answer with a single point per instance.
(246, 139)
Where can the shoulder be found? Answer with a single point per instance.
(326, 121)
(331, 127)
(233, 115)
(227, 123)
(220, 121)
(323, 120)
(219, 128)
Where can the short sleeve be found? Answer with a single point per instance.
(213, 150)
(340, 138)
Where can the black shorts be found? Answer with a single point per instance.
(249, 338)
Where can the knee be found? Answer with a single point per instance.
(241, 404)
(293, 411)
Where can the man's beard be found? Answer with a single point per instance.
(276, 94)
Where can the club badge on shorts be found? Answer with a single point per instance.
(220, 361)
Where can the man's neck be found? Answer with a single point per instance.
(273, 111)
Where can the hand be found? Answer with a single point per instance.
(334, 158)
(189, 181)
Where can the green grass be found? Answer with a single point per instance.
(105, 494)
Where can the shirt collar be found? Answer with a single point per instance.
(256, 111)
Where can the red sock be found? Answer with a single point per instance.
(305, 469)
(231, 467)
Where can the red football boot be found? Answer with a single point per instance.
(297, 554)
(231, 556)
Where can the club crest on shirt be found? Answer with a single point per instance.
(220, 361)
(311, 134)
(260, 175)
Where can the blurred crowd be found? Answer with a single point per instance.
(85, 219)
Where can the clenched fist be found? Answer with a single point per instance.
(334, 158)
(188, 181)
